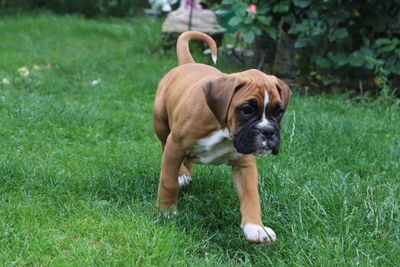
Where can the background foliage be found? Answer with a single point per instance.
(334, 43)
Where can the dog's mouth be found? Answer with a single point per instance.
(265, 150)
(254, 142)
(262, 152)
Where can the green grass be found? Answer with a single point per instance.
(79, 164)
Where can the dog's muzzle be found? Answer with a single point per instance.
(267, 141)
(258, 140)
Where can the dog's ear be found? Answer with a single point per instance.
(218, 93)
(284, 92)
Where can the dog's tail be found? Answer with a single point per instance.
(182, 46)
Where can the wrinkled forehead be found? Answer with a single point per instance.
(259, 86)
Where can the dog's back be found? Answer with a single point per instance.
(182, 83)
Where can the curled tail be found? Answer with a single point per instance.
(182, 46)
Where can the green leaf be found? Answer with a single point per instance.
(301, 42)
(228, 2)
(280, 8)
(383, 41)
(339, 58)
(356, 59)
(338, 33)
(388, 48)
(249, 37)
(271, 31)
(234, 21)
(264, 20)
(256, 30)
(300, 28)
(324, 63)
(326, 80)
(395, 68)
(341, 33)
(301, 3)
(113, 3)
(241, 11)
(248, 20)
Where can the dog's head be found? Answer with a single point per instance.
(251, 105)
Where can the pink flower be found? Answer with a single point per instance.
(252, 9)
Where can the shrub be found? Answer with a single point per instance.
(336, 41)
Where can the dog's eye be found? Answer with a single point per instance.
(279, 113)
(246, 111)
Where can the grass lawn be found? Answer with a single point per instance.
(79, 163)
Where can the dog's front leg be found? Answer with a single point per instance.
(168, 188)
(244, 171)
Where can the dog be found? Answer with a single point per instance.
(202, 115)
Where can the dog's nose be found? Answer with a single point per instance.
(268, 132)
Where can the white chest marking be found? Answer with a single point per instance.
(264, 122)
(215, 149)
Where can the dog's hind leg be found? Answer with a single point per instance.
(185, 173)
(161, 128)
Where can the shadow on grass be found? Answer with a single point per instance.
(208, 208)
(209, 211)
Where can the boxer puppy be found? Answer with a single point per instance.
(204, 116)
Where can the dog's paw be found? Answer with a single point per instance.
(259, 234)
(170, 214)
(184, 180)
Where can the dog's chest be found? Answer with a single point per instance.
(215, 149)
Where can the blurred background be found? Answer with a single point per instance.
(331, 45)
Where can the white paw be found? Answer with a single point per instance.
(184, 180)
(259, 234)
(170, 214)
